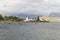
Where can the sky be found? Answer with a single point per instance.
(29, 6)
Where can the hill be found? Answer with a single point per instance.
(54, 14)
(26, 15)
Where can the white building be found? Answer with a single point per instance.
(27, 19)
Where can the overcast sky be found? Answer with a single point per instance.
(30, 6)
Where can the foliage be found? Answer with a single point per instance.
(37, 20)
(12, 18)
(1, 17)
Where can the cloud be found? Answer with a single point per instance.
(30, 6)
(54, 1)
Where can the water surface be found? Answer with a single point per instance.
(30, 31)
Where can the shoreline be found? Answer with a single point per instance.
(7, 21)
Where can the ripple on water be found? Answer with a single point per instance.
(30, 31)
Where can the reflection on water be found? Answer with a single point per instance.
(30, 31)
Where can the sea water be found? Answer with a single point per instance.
(30, 31)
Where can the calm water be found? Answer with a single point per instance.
(30, 31)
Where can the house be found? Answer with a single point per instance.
(27, 19)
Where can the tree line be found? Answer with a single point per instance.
(11, 18)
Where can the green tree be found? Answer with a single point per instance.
(13, 18)
(1, 17)
(37, 20)
(6, 18)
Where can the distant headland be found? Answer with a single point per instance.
(18, 19)
(8, 18)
